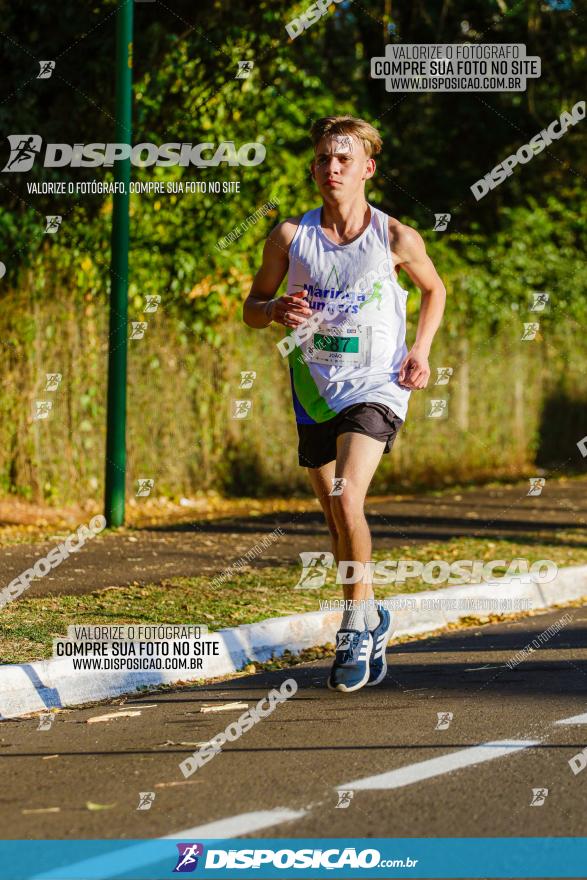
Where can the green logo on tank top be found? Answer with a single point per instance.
(374, 296)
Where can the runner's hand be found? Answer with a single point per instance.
(414, 371)
(291, 311)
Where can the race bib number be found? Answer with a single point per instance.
(344, 346)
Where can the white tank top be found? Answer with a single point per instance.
(355, 354)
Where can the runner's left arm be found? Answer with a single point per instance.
(410, 248)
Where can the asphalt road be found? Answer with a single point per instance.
(281, 778)
(196, 547)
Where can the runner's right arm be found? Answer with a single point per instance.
(260, 308)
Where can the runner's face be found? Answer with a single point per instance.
(341, 166)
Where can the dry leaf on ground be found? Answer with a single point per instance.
(110, 715)
(226, 707)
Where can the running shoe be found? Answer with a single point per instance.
(380, 636)
(350, 670)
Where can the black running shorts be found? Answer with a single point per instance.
(317, 444)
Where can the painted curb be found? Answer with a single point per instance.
(46, 684)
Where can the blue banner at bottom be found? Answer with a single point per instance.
(415, 857)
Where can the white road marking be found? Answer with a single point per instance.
(236, 826)
(112, 864)
(437, 766)
(576, 719)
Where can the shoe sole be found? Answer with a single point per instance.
(355, 687)
(383, 672)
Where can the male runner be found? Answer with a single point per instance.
(352, 377)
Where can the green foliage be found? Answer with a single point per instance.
(527, 235)
(185, 59)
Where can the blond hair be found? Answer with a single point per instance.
(330, 126)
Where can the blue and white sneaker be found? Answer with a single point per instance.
(380, 635)
(350, 670)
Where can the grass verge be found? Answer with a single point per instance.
(28, 626)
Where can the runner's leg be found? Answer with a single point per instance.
(357, 638)
(357, 459)
(321, 479)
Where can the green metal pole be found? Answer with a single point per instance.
(117, 342)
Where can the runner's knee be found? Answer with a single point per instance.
(346, 508)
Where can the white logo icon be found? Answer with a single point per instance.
(247, 378)
(53, 222)
(444, 719)
(244, 69)
(539, 301)
(530, 331)
(46, 69)
(338, 484)
(23, 151)
(146, 799)
(343, 641)
(45, 721)
(315, 567)
(42, 409)
(144, 487)
(344, 799)
(241, 408)
(437, 409)
(539, 795)
(536, 485)
(444, 374)
(344, 143)
(52, 381)
(138, 329)
(441, 222)
(152, 302)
